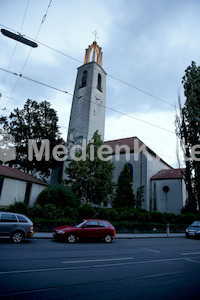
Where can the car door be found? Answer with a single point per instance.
(8, 223)
(103, 228)
(90, 230)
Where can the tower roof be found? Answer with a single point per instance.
(96, 54)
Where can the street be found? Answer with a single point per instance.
(154, 268)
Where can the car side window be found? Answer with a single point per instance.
(103, 224)
(91, 224)
(8, 218)
(22, 219)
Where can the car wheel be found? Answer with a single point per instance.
(108, 238)
(17, 237)
(71, 238)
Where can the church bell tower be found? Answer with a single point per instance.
(89, 99)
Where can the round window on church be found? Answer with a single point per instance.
(165, 189)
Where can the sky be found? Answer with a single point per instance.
(147, 46)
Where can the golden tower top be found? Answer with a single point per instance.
(96, 54)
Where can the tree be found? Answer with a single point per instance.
(37, 121)
(139, 198)
(91, 178)
(187, 129)
(59, 195)
(124, 193)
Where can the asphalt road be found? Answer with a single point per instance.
(125, 269)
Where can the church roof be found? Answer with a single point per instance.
(130, 143)
(17, 174)
(169, 174)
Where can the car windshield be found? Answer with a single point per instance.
(196, 224)
(79, 225)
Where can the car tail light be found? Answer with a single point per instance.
(31, 228)
(114, 234)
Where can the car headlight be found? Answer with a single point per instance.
(61, 231)
(186, 230)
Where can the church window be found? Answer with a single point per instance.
(84, 79)
(130, 168)
(99, 82)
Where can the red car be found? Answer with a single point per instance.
(87, 229)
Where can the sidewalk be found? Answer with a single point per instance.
(48, 235)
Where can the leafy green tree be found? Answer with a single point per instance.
(37, 121)
(139, 198)
(58, 195)
(187, 129)
(91, 178)
(124, 193)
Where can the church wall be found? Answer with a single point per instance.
(153, 166)
(88, 105)
(139, 171)
(171, 201)
(184, 192)
(98, 102)
(79, 118)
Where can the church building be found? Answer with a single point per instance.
(164, 187)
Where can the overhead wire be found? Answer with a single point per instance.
(43, 20)
(60, 52)
(15, 47)
(33, 80)
(112, 109)
(109, 75)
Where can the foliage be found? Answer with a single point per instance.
(139, 198)
(37, 121)
(127, 219)
(91, 179)
(19, 207)
(187, 129)
(124, 196)
(59, 196)
(86, 211)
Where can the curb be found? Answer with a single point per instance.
(139, 236)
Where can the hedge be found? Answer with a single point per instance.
(124, 219)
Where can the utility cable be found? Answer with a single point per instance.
(109, 75)
(43, 20)
(112, 109)
(33, 80)
(15, 47)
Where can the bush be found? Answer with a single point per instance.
(187, 218)
(86, 211)
(158, 217)
(58, 195)
(18, 207)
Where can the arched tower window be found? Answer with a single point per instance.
(99, 82)
(84, 79)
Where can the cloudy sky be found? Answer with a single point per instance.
(147, 45)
